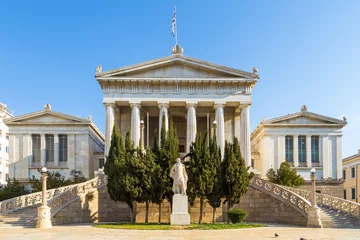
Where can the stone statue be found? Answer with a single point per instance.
(99, 69)
(255, 70)
(180, 177)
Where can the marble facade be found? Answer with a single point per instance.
(5, 113)
(35, 142)
(307, 139)
(192, 92)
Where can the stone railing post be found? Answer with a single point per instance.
(314, 219)
(44, 215)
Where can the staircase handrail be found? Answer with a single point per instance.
(294, 200)
(60, 201)
(332, 202)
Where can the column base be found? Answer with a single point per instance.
(314, 219)
(44, 217)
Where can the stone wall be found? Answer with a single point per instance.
(98, 209)
(330, 187)
(264, 208)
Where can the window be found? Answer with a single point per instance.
(315, 149)
(101, 163)
(63, 149)
(344, 194)
(344, 174)
(289, 148)
(49, 147)
(7, 149)
(353, 193)
(7, 136)
(352, 172)
(181, 148)
(253, 163)
(0, 146)
(36, 150)
(302, 149)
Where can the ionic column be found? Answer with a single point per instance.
(191, 124)
(43, 150)
(308, 150)
(220, 130)
(296, 150)
(163, 113)
(338, 157)
(56, 149)
(135, 123)
(109, 125)
(245, 134)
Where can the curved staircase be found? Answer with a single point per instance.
(335, 212)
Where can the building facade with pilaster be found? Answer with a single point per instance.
(192, 92)
(305, 139)
(350, 173)
(55, 140)
(5, 113)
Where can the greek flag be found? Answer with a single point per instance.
(173, 23)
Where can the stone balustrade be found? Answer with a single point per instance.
(56, 196)
(60, 201)
(336, 203)
(292, 199)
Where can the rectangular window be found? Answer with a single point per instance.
(49, 147)
(302, 149)
(63, 149)
(289, 148)
(7, 136)
(352, 172)
(344, 194)
(252, 163)
(36, 150)
(101, 163)
(7, 149)
(353, 193)
(314, 149)
(344, 174)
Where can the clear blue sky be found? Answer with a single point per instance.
(307, 52)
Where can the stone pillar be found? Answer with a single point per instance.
(191, 124)
(109, 125)
(314, 219)
(163, 113)
(308, 151)
(325, 156)
(237, 123)
(135, 123)
(220, 131)
(43, 150)
(56, 149)
(338, 157)
(281, 151)
(296, 150)
(245, 134)
(44, 214)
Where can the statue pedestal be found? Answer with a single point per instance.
(44, 217)
(180, 211)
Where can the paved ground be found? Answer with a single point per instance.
(87, 232)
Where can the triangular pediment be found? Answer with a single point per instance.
(304, 118)
(46, 117)
(176, 66)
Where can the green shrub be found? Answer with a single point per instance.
(237, 215)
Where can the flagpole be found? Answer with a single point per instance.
(176, 27)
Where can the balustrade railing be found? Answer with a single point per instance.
(63, 199)
(294, 200)
(332, 202)
(33, 199)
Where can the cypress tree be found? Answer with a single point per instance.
(236, 178)
(201, 172)
(214, 197)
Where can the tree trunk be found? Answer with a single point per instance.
(229, 207)
(159, 213)
(146, 211)
(214, 215)
(131, 214)
(201, 210)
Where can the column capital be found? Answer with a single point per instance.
(163, 104)
(109, 105)
(191, 104)
(135, 104)
(219, 104)
(245, 105)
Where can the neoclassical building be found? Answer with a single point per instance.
(305, 139)
(55, 140)
(194, 93)
(5, 113)
(351, 171)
